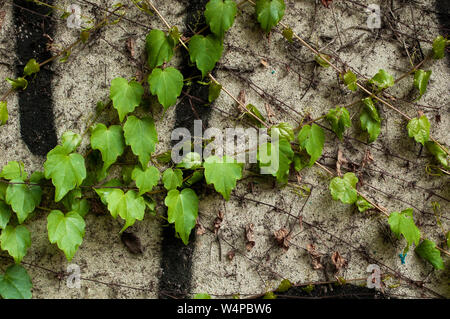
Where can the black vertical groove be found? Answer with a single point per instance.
(176, 259)
(35, 102)
(443, 9)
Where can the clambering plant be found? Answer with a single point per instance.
(70, 176)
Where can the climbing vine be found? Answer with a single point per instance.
(70, 176)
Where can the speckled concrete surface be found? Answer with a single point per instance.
(293, 78)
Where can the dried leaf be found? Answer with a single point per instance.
(249, 235)
(338, 261)
(340, 160)
(315, 256)
(217, 222)
(282, 236)
(264, 63)
(131, 45)
(230, 255)
(300, 221)
(241, 97)
(200, 230)
(367, 158)
(326, 3)
(132, 242)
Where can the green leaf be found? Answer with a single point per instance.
(84, 36)
(14, 170)
(223, 174)
(202, 296)
(31, 67)
(16, 240)
(74, 201)
(192, 160)
(5, 214)
(141, 135)
(311, 139)
(421, 78)
(159, 48)
(382, 79)
(344, 189)
(70, 141)
(167, 85)
(437, 152)
(350, 80)
(145, 179)
(196, 177)
(175, 34)
(253, 109)
(301, 160)
(276, 161)
(403, 224)
(109, 141)
(129, 206)
(214, 91)
(19, 83)
(284, 131)
(320, 59)
(270, 295)
(288, 34)
(269, 13)
(23, 198)
(419, 128)
(447, 235)
(370, 120)
(362, 204)
(107, 188)
(67, 231)
(172, 178)
(3, 112)
(205, 52)
(439, 45)
(428, 251)
(125, 96)
(284, 286)
(15, 283)
(220, 15)
(339, 119)
(67, 171)
(183, 211)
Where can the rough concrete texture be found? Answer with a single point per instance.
(395, 179)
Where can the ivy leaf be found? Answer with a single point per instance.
(269, 13)
(419, 128)
(31, 67)
(67, 231)
(320, 59)
(23, 198)
(202, 296)
(196, 177)
(192, 160)
(339, 119)
(129, 206)
(107, 188)
(253, 109)
(19, 83)
(428, 251)
(350, 80)
(141, 135)
(344, 189)
(3, 112)
(109, 141)
(276, 161)
(74, 201)
(15, 283)
(16, 240)
(362, 204)
(167, 85)
(220, 15)
(370, 120)
(437, 152)
(284, 131)
(439, 45)
(172, 178)
(214, 91)
(403, 224)
(145, 179)
(205, 52)
(125, 96)
(223, 174)
(183, 211)
(159, 48)
(421, 78)
(67, 171)
(70, 141)
(311, 139)
(5, 214)
(14, 170)
(382, 79)
(288, 34)
(284, 286)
